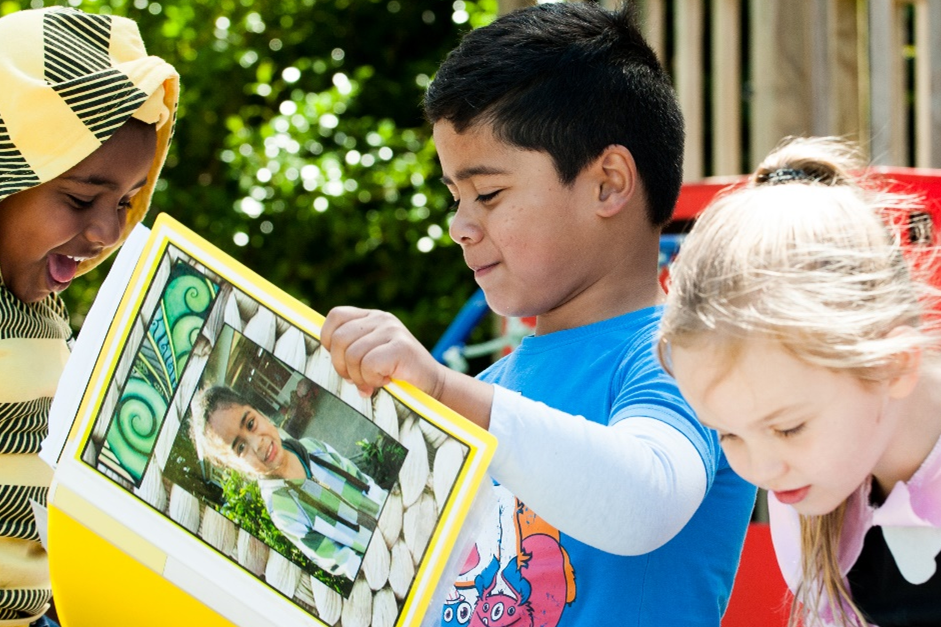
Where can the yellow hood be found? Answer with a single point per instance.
(70, 80)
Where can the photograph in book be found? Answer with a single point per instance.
(214, 404)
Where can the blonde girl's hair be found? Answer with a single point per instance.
(805, 253)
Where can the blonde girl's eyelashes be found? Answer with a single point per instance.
(726, 437)
(791, 432)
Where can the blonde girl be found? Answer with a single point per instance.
(794, 327)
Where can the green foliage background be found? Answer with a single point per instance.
(301, 149)
(244, 505)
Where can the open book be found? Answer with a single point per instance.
(293, 500)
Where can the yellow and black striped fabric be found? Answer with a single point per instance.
(68, 81)
(33, 352)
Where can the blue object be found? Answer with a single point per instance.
(460, 328)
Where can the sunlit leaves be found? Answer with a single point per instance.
(300, 146)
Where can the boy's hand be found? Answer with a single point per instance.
(370, 348)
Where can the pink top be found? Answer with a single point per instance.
(910, 519)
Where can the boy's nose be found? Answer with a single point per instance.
(464, 230)
(105, 225)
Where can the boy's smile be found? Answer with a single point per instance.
(528, 238)
(45, 231)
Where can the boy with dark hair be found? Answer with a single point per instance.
(578, 80)
(561, 140)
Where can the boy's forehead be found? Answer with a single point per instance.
(475, 151)
(446, 131)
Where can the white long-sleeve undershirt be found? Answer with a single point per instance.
(626, 489)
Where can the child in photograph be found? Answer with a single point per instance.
(561, 140)
(85, 122)
(796, 330)
(316, 497)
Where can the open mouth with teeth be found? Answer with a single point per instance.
(62, 268)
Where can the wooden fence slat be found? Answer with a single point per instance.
(726, 71)
(886, 128)
(847, 49)
(819, 70)
(654, 26)
(922, 84)
(688, 72)
(927, 84)
(932, 133)
(781, 70)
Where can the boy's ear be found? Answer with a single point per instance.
(905, 367)
(618, 179)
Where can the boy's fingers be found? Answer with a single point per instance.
(379, 364)
(369, 359)
(336, 318)
(366, 346)
(343, 327)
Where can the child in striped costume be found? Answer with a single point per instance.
(85, 122)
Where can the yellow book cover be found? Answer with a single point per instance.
(214, 469)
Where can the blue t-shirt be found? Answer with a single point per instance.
(606, 372)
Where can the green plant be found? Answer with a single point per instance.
(243, 505)
(381, 460)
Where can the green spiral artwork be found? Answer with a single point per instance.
(181, 312)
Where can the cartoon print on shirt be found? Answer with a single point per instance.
(457, 608)
(510, 594)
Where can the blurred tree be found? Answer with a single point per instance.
(300, 147)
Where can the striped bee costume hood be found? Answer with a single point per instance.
(68, 81)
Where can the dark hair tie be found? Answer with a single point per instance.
(785, 175)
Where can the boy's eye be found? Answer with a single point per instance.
(727, 437)
(485, 198)
(454, 205)
(239, 449)
(251, 424)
